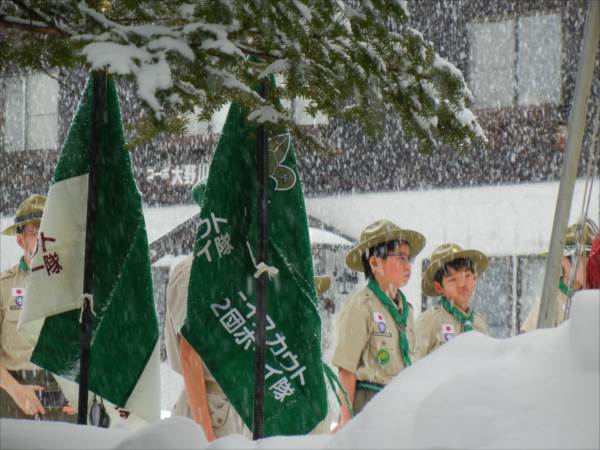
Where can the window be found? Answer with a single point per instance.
(538, 68)
(492, 63)
(31, 113)
(516, 61)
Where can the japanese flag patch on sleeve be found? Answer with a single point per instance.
(18, 294)
(379, 322)
(447, 332)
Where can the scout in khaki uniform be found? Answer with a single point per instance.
(25, 391)
(560, 304)
(375, 329)
(452, 274)
(212, 408)
(212, 401)
(202, 399)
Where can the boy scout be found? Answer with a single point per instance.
(202, 399)
(451, 274)
(375, 329)
(560, 304)
(205, 394)
(25, 390)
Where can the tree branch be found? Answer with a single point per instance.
(6, 22)
(32, 13)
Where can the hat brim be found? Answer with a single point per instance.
(11, 230)
(427, 284)
(567, 251)
(416, 242)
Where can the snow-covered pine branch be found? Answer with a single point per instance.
(353, 60)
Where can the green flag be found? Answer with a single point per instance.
(220, 321)
(124, 358)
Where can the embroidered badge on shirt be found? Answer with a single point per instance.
(448, 332)
(383, 357)
(378, 317)
(18, 294)
(381, 325)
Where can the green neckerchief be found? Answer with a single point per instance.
(23, 265)
(563, 286)
(458, 314)
(400, 320)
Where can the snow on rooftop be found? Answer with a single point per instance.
(326, 237)
(160, 220)
(537, 390)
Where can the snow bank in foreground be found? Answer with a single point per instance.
(539, 390)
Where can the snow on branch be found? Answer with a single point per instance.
(190, 56)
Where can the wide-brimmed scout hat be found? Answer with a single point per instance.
(590, 230)
(444, 254)
(29, 211)
(379, 232)
(322, 283)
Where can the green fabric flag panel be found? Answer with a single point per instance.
(220, 321)
(124, 324)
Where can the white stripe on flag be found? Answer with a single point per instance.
(56, 291)
(143, 404)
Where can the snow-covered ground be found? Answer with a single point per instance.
(538, 390)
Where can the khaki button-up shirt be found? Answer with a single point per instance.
(368, 341)
(15, 351)
(436, 326)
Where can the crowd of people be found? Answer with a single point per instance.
(377, 334)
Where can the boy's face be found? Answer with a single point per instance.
(27, 240)
(393, 272)
(458, 286)
(568, 265)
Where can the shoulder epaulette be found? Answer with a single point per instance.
(9, 273)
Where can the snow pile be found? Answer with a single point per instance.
(539, 390)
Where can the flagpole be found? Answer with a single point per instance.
(583, 85)
(98, 119)
(261, 281)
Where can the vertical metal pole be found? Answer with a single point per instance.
(261, 282)
(98, 119)
(569, 169)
